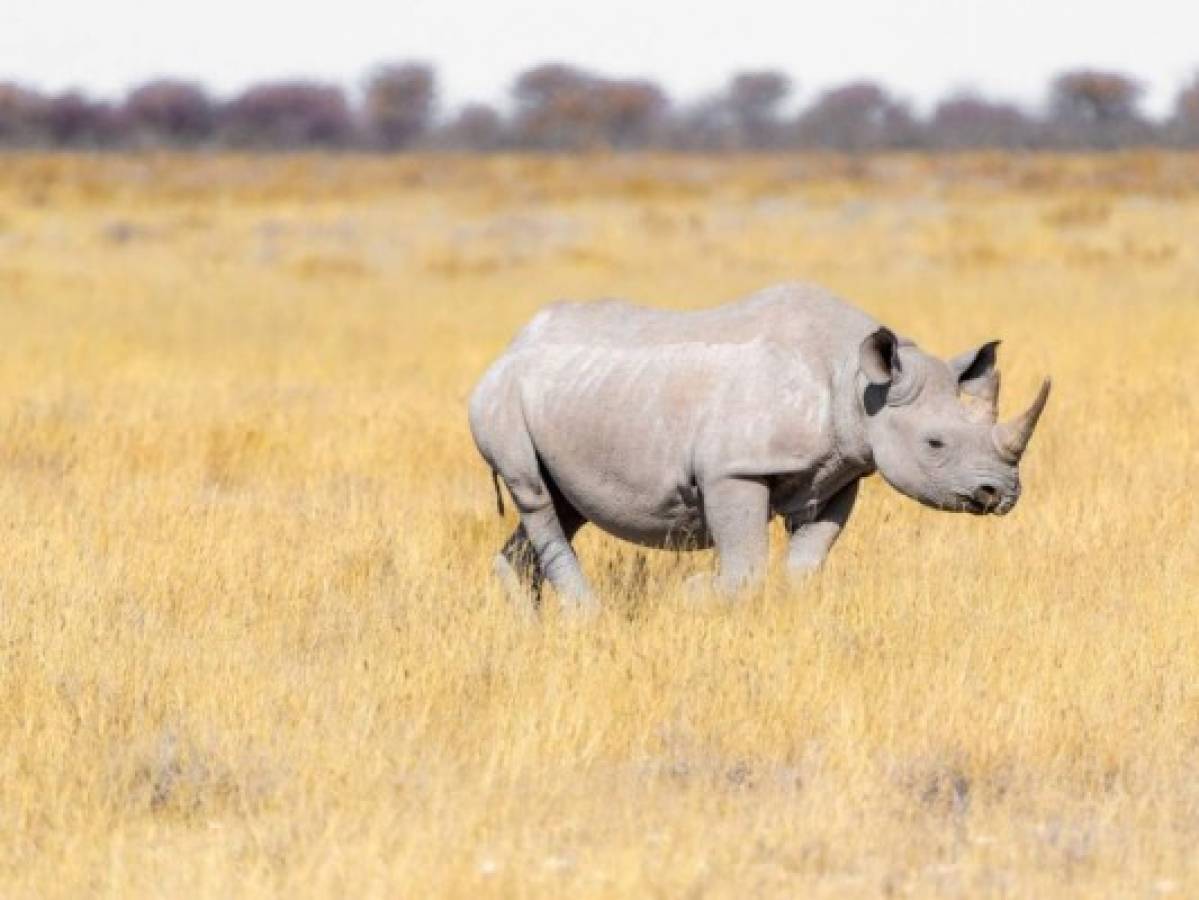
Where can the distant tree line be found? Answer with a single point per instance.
(561, 108)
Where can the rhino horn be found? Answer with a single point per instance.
(1013, 436)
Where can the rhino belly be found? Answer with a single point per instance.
(665, 520)
(654, 506)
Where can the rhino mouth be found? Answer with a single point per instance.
(966, 503)
(972, 506)
(958, 503)
(1001, 506)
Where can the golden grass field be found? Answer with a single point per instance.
(250, 645)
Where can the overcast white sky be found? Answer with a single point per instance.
(922, 48)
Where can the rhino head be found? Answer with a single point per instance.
(932, 428)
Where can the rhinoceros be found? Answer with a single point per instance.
(690, 430)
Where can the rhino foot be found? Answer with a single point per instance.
(519, 594)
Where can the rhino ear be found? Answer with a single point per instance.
(976, 373)
(879, 357)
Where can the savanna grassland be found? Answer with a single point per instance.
(248, 639)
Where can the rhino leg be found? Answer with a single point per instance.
(557, 560)
(517, 566)
(518, 572)
(811, 540)
(547, 525)
(737, 512)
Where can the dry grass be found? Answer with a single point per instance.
(249, 645)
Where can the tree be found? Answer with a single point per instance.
(76, 121)
(707, 126)
(22, 115)
(551, 107)
(1089, 107)
(967, 121)
(399, 103)
(1185, 122)
(560, 107)
(288, 114)
(753, 99)
(175, 112)
(856, 117)
(627, 112)
(477, 127)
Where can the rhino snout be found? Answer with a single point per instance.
(986, 495)
(990, 497)
(1007, 501)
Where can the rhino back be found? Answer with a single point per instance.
(802, 315)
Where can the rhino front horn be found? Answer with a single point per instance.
(1012, 437)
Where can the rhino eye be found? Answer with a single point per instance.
(935, 443)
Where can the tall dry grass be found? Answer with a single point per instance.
(250, 646)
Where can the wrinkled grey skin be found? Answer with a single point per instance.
(693, 429)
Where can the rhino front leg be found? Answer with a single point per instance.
(810, 541)
(737, 514)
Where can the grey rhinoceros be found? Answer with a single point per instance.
(693, 429)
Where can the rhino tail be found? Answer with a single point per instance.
(499, 495)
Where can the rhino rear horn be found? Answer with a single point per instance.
(1011, 438)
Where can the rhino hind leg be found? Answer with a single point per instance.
(519, 574)
(540, 550)
(517, 567)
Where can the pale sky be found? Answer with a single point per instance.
(921, 48)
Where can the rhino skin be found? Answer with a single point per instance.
(690, 430)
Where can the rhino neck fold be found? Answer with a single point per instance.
(849, 419)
